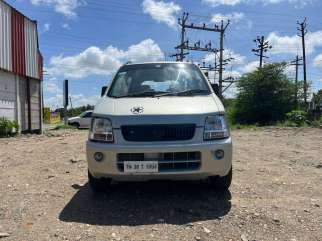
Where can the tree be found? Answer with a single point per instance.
(74, 111)
(317, 100)
(300, 93)
(264, 96)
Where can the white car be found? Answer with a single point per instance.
(159, 121)
(81, 121)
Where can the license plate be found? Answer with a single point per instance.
(141, 166)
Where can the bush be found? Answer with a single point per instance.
(63, 127)
(264, 96)
(8, 128)
(298, 117)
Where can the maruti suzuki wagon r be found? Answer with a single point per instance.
(159, 121)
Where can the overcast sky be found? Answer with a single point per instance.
(87, 40)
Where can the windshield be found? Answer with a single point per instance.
(86, 114)
(150, 80)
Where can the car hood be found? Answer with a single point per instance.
(163, 110)
(73, 118)
(158, 106)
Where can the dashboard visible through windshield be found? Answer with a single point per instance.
(157, 80)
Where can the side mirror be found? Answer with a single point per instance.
(104, 88)
(215, 87)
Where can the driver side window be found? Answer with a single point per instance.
(87, 115)
(122, 84)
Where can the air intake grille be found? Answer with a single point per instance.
(148, 133)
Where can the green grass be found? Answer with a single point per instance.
(63, 127)
(242, 127)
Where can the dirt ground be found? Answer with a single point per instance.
(276, 193)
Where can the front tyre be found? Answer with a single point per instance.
(98, 185)
(74, 124)
(222, 183)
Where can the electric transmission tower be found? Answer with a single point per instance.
(184, 45)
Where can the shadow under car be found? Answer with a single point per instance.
(133, 204)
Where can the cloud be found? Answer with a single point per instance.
(56, 101)
(284, 44)
(46, 27)
(317, 62)
(237, 18)
(52, 88)
(162, 12)
(233, 17)
(65, 7)
(65, 26)
(94, 60)
(293, 44)
(290, 71)
(215, 3)
(81, 100)
(230, 92)
(228, 53)
(250, 67)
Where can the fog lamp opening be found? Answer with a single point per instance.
(98, 156)
(219, 154)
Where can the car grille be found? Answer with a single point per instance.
(168, 162)
(148, 133)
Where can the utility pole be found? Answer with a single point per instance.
(221, 55)
(207, 70)
(185, 43)
(296, 63)
(262, 47)
(182, 22)
(178, 56)
(302, 32)
(196, 47)
(65, 100)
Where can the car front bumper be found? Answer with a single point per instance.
(210, 165)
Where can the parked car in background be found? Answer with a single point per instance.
(159, 121)
(82, 121)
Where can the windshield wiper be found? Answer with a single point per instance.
(141, 94)
(184, 93)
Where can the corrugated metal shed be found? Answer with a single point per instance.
(20, 69)
(19, 50)
(31, 49)
(40, 64)
(5, 37)
(18, 43)
(7, 95)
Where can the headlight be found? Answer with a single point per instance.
(216, 127)
(101, 130)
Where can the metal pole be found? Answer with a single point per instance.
(261, 52)
(296, 79)
(304, 67)
(302, 34)
(221, 58)
(65, 101)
